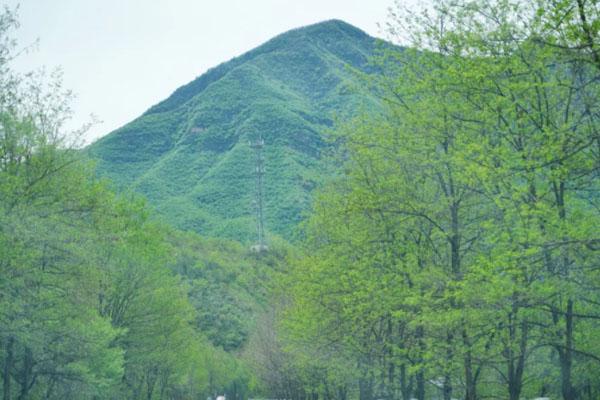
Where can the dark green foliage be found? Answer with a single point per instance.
(189, 154)
(226, 286)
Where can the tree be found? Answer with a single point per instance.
(88, 306)
(472, 197)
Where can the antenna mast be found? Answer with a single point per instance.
(259, 171)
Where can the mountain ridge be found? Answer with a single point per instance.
(212, 74)
(189, 154)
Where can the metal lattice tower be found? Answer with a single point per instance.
(258, 146)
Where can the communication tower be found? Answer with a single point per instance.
(259, 173)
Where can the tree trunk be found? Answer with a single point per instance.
(8, 361)
(471, 388)
(406, 384)
(150, 383)
(420, 376)
(342, 392)
(26, 380)
(447, 389)
(365, 388)
(447, 386)
(516, 363)
(566, 356)
(420, 390)
(470, 381)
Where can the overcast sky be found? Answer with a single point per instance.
(122, 56)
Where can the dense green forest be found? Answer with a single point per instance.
(189, 154)
(449, 248)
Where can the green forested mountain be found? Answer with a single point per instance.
(452, 253)
(189, 155)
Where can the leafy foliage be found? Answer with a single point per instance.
(457, 256)
(91, 306)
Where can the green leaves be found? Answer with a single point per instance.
(89, 308)
(461, 217)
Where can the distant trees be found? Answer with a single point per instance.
(458, 254)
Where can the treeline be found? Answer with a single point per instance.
(458, 254)
(97, 299)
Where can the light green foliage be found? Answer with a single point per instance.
(457, 255)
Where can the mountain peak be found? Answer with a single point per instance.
(335, 35)
(329, 26)
(189, 154)
(329, 31)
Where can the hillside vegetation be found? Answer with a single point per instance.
(189, 155)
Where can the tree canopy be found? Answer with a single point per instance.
(457, 256)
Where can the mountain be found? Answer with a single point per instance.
(190, 154)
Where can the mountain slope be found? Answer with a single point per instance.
(189, 155)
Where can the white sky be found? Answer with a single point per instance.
(122, 56)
